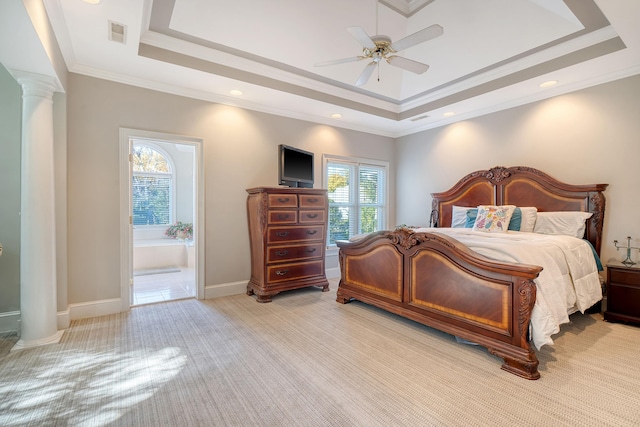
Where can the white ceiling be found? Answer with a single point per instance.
(493, 53)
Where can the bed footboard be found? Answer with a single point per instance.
(437, 281)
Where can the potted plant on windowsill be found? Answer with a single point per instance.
(180, 230)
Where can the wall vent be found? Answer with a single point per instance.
(117, 32)
(415, 119)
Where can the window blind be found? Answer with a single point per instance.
(151, 199)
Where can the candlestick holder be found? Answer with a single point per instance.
(628, 262)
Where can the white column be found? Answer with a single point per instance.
(38, 306)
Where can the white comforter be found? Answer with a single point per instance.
(568, 282)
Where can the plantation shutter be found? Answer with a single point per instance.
(357, 193)
(371, 189)
(342, 206)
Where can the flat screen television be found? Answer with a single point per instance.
(295, 167)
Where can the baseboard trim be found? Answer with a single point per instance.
(53, 339)
(95, 308)
(64, 319)
(333, 273)
(225, 289)
(238, 288)
(9, 321)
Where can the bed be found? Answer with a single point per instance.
(470, 291)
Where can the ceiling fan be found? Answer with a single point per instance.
(381, 47)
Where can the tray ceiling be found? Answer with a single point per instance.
(493, 54)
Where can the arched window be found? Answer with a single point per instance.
(152, 186)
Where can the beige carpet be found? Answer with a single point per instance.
(305, 360)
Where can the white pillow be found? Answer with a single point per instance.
(528, 219)
(459, 216)
(563, 223)
(493, 219)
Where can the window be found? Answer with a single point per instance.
(152, 186)
(357, 192)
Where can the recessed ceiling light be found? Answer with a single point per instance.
(236, 92)
(92, 1)
(549, 83)
(449, 114)
(336, 116)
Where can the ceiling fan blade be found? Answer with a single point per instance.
(408, 64)
(421, 36)
(339, 61)
(361, 35)
(366, 73)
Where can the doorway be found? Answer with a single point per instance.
(163, 219)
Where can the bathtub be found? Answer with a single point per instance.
(152, 254)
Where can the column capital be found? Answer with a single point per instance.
(34, 84)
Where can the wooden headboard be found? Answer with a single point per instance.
(522, 186)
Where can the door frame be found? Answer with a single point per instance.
(126, 228)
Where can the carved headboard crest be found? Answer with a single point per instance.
(495, 174)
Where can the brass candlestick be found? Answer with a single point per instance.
(628, 262)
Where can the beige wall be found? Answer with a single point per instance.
(10, 137)
(240, 151)
(586, 137)
(60, 171)
(589, 136)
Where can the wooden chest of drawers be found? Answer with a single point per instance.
(623, 293)
(288, 233)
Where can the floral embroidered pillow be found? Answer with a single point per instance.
(493, 219)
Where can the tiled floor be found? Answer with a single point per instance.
(153, 288)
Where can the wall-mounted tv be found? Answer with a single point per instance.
(295, 167)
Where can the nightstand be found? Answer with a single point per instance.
(623, 293)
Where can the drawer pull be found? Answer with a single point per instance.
(283, 199)
(312, 215)
(312, 232)
(283, 216)
(314, 200)
(282, 272)
(311, 250)
(282, 233)
(282, 253)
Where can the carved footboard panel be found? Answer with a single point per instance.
(435, 280)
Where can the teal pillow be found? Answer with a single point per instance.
(514, 224)
(516, 220)
(471, 217)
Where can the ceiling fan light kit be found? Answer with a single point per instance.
(379, 47)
